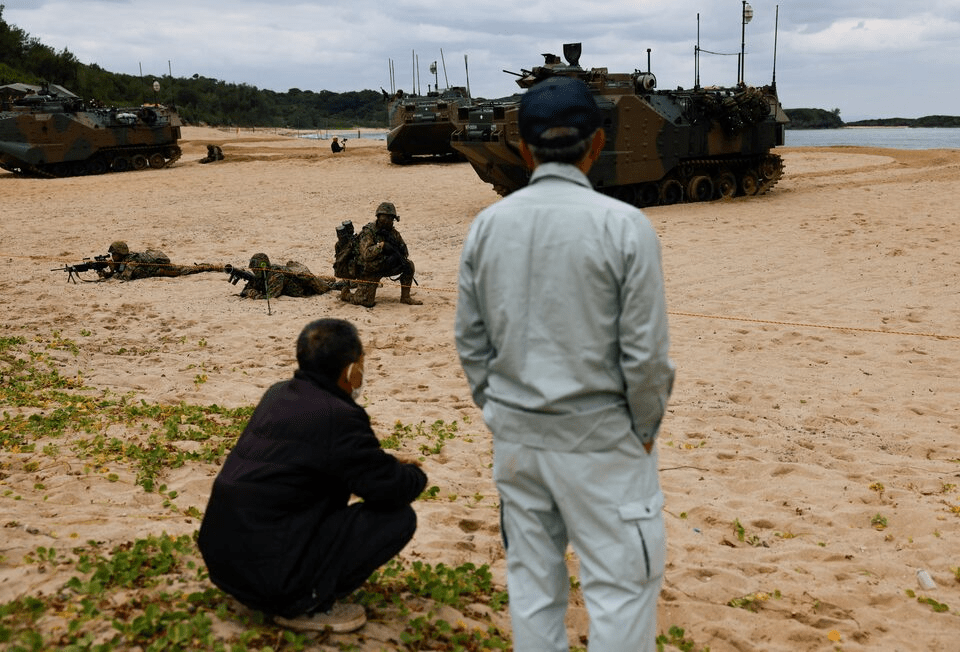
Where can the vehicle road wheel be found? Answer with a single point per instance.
(770, 168)
(671, 192)
(120, 164)
(748, 183)
(625, 193)
(700, 188)
(156, 160)
(98, 166)
(726, 185)
(139, 162)
(648, 195)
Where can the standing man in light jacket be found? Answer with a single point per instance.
(561, 329)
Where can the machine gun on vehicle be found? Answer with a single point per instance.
(238, 274)
(98, 263)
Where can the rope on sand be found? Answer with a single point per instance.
(939, 336)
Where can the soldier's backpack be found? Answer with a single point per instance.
(346, 263)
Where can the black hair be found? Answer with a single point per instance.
(327, 346)
(566, 146)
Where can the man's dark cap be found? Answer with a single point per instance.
(558, 102)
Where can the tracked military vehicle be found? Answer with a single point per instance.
(47, 131)
(663, 147)
(421, 125)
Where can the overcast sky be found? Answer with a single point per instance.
(883, 58)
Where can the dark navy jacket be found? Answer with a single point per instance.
(269, 535)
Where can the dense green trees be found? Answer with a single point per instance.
(813, 119)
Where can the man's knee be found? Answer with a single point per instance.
(400, 522)
(376, 536)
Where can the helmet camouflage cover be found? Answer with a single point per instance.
(387, 208)
(118, 247)
(259, 260)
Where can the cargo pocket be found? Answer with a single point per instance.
(645, 518)
(503, 529)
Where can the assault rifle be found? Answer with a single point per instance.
(238, 274)
(98, 263)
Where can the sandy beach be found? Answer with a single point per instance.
(809, 457)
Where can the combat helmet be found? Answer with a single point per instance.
(387, 208)
(118, 247)
(259, 260)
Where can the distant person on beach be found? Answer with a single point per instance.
(382, 252)
(336, 146)
(126, 265)
(280, 533)
(293, 280)
(561, 328)
(214, 153)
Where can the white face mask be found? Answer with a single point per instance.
(355, 392)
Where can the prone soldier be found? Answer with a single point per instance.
(214, 153)
(126, 265)
(266, 281)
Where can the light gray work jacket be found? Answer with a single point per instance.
(561, 323)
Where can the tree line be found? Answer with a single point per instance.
(199, 100)
(822, 119)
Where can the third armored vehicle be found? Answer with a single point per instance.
(421, 125)
(48, 131)
(663, 147)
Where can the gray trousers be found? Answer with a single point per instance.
(609, 507)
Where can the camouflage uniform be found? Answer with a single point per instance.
(382, 253)
(346, 262)
(214, 153)
(293, 280)
(301, 282)
(130, 265)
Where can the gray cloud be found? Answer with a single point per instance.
(873, 59)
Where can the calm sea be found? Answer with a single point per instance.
(896, 137)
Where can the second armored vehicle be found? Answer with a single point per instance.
(663, 147)
(47, 131)
(421, 125)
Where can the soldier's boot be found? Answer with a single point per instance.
(366, 293)
(406, 298)
(345, 293)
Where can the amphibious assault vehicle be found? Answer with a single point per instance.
(663, 147)
(421, 125)
(47, 131)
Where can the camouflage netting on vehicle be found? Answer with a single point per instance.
(662, 146)
(47, 131)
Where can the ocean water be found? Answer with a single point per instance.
(895, 137)
(327, 135)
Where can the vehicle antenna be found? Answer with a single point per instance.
(776, 29)
(446, 81)
(696, 57)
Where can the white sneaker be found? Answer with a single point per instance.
(340, 618)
